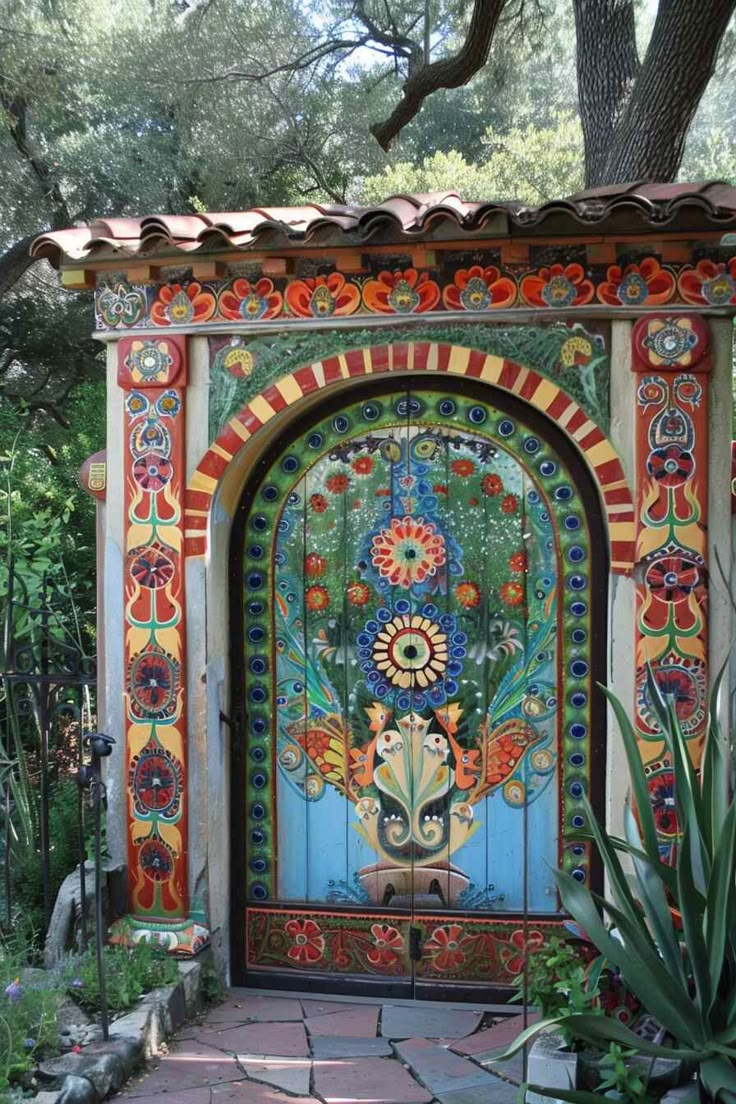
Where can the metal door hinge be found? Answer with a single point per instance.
(415, 944)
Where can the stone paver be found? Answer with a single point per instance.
(494, 1039)
(192, 1065)
(336, 1046)
(291, 1074)
(361, 1022)
(439, 1069)
(239, 1009)
(377, 1080)
(264, 1049)
(282, 1040)
(440, 1022)
(324, 1007)
(499, 1092)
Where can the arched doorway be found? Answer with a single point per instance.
(419, 620)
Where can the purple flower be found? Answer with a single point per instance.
(29, 1044)
(77, 983)
(13, 991)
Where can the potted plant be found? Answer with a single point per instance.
(675, 926)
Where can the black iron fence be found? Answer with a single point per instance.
(47, 702)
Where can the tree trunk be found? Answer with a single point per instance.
(14, 263)
(607, 67)
(647, 126)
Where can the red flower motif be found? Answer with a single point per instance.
(473, 502)
(244, 301)
(322, 296)
(314, 564)
(661, 787)
(180, 305)
(709, 284)
(462, 467)
(440, 488)
(358, 593)
(317, 598)
(672, 578)
(671, 466)
(468, 595)
(509, 504)
(403, 291)
(517, 562)
(492, 485)
(557, 286)
(152, 471)
(388, 942)
(479, 288)
(337, 483)
(363, 465)
(513, 956)
(637, 285)
(309, 943)
(445, 945)
(512, 593)
(318, 503)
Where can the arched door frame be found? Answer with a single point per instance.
(573, 446)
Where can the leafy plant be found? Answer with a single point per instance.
(674, 941)
(28, 1014)
(129, 973)
(622, 1079)
(559, 982)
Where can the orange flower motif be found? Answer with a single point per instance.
(403, 291)
(322, 296)
(557, 286)
(388, 943)
(318, 503)
(517, 562)
(462, 467)
(477, 289)
(509, 504)
(637, 285)
(317, 598)
(512, 593)
(363, 465)
(337, 483)
(709, 284)
(492, 485)
(468, 595)
(514, 956)
(244, 301)
(314, 564)
(358, 593)
(446, 947)
(408, 552)
(309, 943)
(182, 305)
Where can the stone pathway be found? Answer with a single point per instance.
(254, 1049)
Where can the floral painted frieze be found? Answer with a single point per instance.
(470, 285)
(671, 362)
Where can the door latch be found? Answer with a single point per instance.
(415, 944)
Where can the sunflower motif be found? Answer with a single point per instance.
(411, 650)
(409, 552)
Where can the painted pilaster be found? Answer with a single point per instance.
(152, 374)
(671, 362)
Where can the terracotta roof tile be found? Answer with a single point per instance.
(400, 218)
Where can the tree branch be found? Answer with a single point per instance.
(446, 73)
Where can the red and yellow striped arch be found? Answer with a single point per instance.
(421, 356)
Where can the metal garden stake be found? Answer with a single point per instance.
(100, 746)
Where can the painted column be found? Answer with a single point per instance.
(671, 359)
(153, 375)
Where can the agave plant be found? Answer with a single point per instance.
(675, 925)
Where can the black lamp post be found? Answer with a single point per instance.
(100, 747)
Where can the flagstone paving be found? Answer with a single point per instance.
(257, 1049)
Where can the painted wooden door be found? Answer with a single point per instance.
(417, 691)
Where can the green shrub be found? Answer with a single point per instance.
(28, 1016)
(129, 973)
